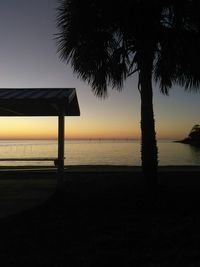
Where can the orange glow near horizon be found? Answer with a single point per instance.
(76, 128)
(27, 128)
(102, 123)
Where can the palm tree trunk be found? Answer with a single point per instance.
(149, 151)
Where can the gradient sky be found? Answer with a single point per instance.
(28, 58)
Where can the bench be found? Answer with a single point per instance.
(55, 160)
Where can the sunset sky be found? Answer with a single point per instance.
(28, 58)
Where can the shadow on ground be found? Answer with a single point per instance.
(106, 222)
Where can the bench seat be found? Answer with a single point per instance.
(28, 159)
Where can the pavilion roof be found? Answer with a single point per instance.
(38, 102)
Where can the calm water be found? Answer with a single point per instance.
(97, 152)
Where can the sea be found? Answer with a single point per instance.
(96, 152)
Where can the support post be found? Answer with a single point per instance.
(61, 147)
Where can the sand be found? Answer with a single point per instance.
(103, 217)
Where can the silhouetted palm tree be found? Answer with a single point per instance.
(107, 41)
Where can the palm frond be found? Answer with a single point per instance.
(104, 50)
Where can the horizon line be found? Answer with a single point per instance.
(85, 139)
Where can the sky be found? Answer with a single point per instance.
(29, 58)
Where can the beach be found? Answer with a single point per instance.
(103, 217)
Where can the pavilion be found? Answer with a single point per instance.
(31, 102)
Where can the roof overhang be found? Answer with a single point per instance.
(38, 102)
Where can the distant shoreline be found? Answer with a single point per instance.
(187, 141)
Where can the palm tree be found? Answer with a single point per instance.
(107, 41)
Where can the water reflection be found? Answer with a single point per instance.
(99, 152)
(195, 153)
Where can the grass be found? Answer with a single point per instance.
(103, 219)
(21, 191)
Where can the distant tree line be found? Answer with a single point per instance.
(193, 137)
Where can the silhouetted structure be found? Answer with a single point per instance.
(59, 102)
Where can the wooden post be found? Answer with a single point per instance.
(61, 147)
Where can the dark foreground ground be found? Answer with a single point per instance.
(107, 219)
